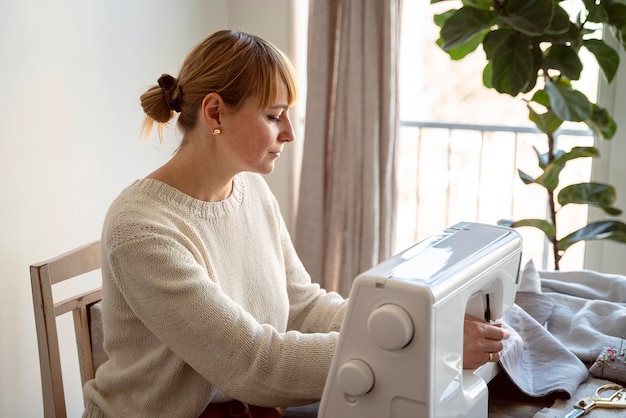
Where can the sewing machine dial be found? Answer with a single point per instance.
(355, 377)
(390, 327)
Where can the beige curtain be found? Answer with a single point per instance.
(345, 219)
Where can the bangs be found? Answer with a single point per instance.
(277, 68)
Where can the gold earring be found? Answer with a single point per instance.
(217, 131)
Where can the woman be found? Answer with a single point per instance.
(207, 309)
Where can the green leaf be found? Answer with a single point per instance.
(560, 21)
(609, 230)
(526, 178)
(541, 224)
(596, 13)
(550, 177)
(577, 152)
(464, 24)
(459, 52)
(568, 103)
(616, 14)
(595, 194)
(537, 63)
(530, 17)
(487, 75)
(441, 18)
(564, 59)
(512, 61)
(607, 57)
(547, 122)
(542, 158)
(571, 36)
(601, 123)
(542, 98)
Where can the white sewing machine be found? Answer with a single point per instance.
(400, 350)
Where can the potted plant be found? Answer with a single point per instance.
(532, 50)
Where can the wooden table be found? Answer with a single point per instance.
(505, 401)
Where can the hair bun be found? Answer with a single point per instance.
(169, 85)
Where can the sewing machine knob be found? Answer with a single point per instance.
(355, 377)
(390, 327)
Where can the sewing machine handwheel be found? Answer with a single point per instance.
(355, 377)
(390, 327)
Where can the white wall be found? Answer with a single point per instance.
(608, 256)
(71, 73)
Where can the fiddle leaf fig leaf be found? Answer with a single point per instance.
(537, 63)
(560, 22)
(463, 25)
(511, 60)
(616, 12)
(487, 75)
(542, 158)
(595, 194)
(441, 18)
(545, 226)
(547, 122)
(609, 230)
(601, 123)
(564, 59)
(596, 13)
(567, 102)
(542, 98)
(550, 177)
(577, 152)
(530, 17)
(607, 57)
(526, 178)
(461, 51)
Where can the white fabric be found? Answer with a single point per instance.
(587, 312)
(346, 221)
(536, 361)
(562, 407)
(207, 301)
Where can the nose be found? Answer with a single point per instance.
(287, 133)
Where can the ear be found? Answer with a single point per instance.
(212, 107)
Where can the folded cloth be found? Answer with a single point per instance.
(589, 312)
(536, 361)
(562, 407)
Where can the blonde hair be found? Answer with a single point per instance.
(233, 64)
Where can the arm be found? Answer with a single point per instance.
(168, 288)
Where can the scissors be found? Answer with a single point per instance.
(615, 400)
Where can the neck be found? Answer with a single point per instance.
(192, 171)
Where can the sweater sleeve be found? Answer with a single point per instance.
(312, 309)
(168, 289)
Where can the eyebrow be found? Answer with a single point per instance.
(280, 106)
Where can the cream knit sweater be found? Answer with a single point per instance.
(207, 302)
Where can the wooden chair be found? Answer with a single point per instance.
(44, 276)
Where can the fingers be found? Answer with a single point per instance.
(482, 342)
(496, 332)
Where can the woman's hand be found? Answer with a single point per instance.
(482, 342)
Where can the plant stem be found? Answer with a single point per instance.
(552, 205)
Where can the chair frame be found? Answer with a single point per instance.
(44, 276)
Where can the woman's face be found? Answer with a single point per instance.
(255, 137)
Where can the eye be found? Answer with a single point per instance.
(274, 118)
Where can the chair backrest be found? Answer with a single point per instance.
(44, 276)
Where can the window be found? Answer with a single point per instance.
(461, 144)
